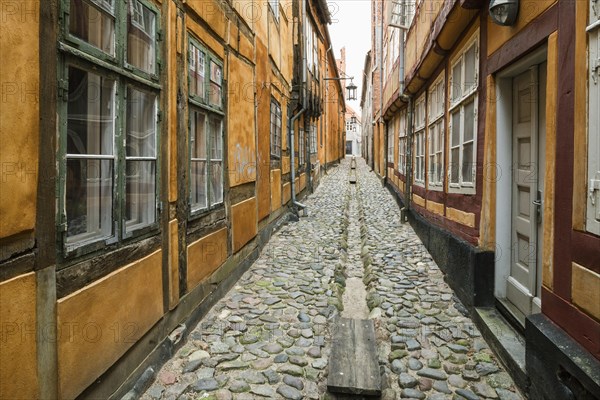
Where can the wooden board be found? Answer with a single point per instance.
(353, 366)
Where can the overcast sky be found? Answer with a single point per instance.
(351, 27)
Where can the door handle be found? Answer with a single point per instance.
(537, 202)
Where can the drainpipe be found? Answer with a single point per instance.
(295, 117)
(381, 67)
(327, 102)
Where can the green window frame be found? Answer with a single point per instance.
(206, 129)
(109, 132)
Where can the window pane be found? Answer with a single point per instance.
(141, 37)
(141, 124)
(198, 185)
(216, 183)
(198, 135)
(216, 139)
(467, 164)
(454, 165)
(197, 65)
(140, 207)
(93, 24)
(215, 84)
(456, 82)
(88, 200)
(470, 69)
(469, 121)
(90, 113)
(455, 128)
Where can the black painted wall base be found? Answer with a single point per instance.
(558, 367)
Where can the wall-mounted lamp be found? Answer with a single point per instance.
(504, 12)
(351, 88)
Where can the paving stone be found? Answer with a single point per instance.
(293, 370)
(272, 376)
(484, 390)
(406, 380)
(467, 394)
(433, 374)
(289, 392)
(412, 394)
(293, 382)
(414, 364)
(208, 384)
(239, 386)
(263, 391)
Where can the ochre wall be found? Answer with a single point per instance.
(204, 256)
(241, 137)
(243, 223)
(98, 323)
(18, 342)
(528, 11)
(19, 116)
(275, 190)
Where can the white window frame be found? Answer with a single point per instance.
(592, 220)
(274, 6)
(419, 142)
(436, 132)
(457, 103)
(390, 145)
(402, 143)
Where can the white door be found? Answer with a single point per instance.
(523, 283)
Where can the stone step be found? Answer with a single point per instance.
(353, 367)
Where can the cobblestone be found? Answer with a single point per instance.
(270, 335)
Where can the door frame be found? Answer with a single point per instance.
(504, 150)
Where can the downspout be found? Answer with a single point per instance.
(326, 100)
(302, 110)
(381, 95)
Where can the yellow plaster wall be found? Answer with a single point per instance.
(487, 223)
(173, 264)
(275, 190)
(285, 165)
(528, 11)
(418, 200)
(464, 218)
(18, 344)
(243, 223)
(436, 208)
(287, 193)
(204, 256)
(19, 116)
(98, 323)
(302, 181)
(241, 136)
(549, 173)
(585, 289)
(211, 12)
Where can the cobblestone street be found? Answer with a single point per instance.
(270, 336)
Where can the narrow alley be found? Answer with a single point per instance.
(271, 335)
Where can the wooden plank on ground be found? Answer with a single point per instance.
(353, 366)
